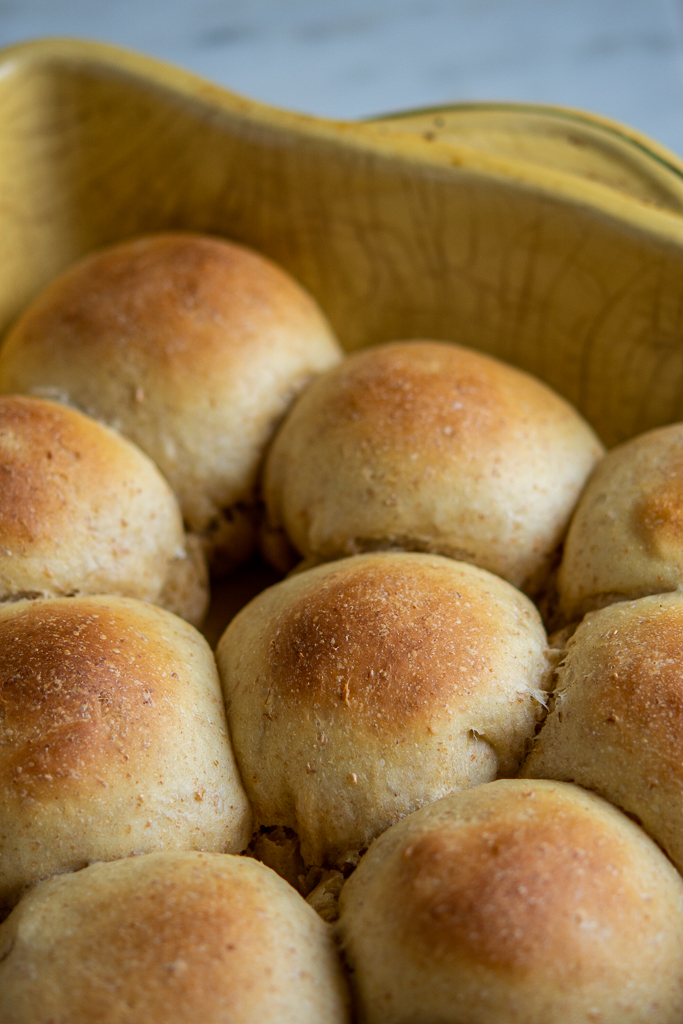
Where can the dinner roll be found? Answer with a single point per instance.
(626, 537)
(83, 511)
(113, 739)
(429, 446)
(191, 346)
(617, 720)
(515, 903)
(362, 689)
(169, 938)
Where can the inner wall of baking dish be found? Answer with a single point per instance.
(391, 247)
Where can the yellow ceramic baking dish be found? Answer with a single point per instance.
(550, 238)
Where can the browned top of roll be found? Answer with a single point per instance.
(360, 690)
(434, 447)
(83, 690)
(50, 454)
(166, 939)
(192, 346)
(515, 894)
(113, 738)
(626, 537)
(388, 639)
(161, 299)
(81, 509)
(489, 894)
(630, 664)
(617, 721)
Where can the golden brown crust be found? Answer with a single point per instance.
(169, 938)
(626, 538)
(383, 644)
(429, 446)
(407, 390)
(660, 514)
(515, 901)
(617, 721)
(644, 681)
(112, 739)
(40, 446)
(153, 294)
(192, 346)
(84, 511)
(79, 695)
(362, 689)
(490, 897)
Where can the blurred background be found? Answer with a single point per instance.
(357, 58)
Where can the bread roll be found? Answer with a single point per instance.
(360, 690)
(515, 903)
(169, 938)
(617, 720)
(191, 346)
(626, 537)
(113, 739)
(83, 511)
(428, 446)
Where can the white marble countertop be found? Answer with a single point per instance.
(355, 58)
